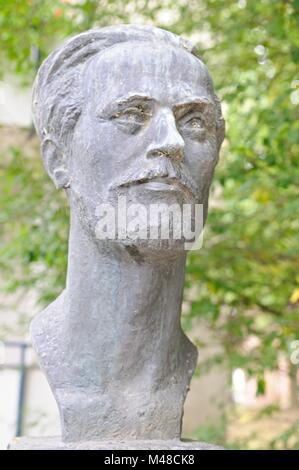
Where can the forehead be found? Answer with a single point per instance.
(164, 73)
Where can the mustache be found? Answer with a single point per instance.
(165, 169)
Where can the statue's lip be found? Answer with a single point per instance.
(161, 183)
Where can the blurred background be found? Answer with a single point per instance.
(241, 299)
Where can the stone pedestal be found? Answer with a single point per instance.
(55, 443)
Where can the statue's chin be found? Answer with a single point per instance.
(150, 250)
(160, 236)
(154, 245)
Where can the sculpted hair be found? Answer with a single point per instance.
(57, 92)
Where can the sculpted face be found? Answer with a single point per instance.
(147, 129)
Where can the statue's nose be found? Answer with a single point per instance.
(167, 141)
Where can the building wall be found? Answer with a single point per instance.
(15, 103)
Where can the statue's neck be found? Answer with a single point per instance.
(115, 296)
(112, 343)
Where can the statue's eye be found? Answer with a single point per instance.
(195, 123)
(193, 126)
(136, 112)
(132, 119)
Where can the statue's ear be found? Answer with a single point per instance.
(55, 163)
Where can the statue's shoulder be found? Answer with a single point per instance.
(47, 331)
(47, 322)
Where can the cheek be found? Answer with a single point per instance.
(114, 147)
(201, 159)
(100, 151)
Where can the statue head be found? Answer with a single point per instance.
(127, 111)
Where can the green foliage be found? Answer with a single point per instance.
(33, 226)
(289, 439)
(247, 274)
(248, 268)
(211, 433)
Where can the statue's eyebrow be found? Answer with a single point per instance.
(123, 103)
(195, 103)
